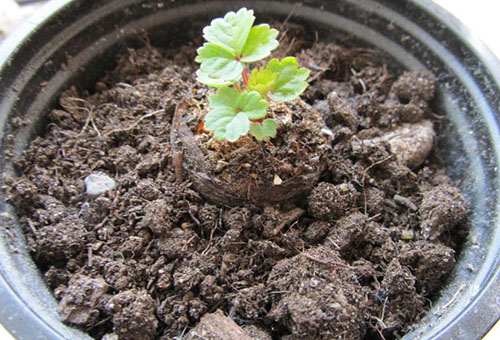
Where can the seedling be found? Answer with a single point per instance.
(240, 105)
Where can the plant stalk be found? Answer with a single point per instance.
(245, 77)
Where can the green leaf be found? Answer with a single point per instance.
(225, 98)
(253, 104)
(261, 41)
(231, 111)
(291, 81)
(262, 80)
(231, 42)
(237, 127)
(263, 131)
(217, 62)
(204, 78)
(231, 31)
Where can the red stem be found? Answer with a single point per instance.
(245, 81)
(245, 77)
(260, 120)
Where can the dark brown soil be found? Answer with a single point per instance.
(359, 257)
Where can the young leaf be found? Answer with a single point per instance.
(262, 80)
(232, 31)
(263, 131)
(253, 105)
(291, 81)
(219, 63)
(231, 111)
(260, 42)
(204, 78)
(237, 127)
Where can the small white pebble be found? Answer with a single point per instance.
(277, 180)
(96, 184)
(327, 131)
(314, 282)
(407, 234)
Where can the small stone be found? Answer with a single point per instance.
(110, 336)
(96, 184)
(407, 235)
(327, 132)
(410, 143)
(277, 180)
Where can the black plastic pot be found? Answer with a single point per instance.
(72, 42)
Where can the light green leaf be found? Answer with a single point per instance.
(204, 78)
(291, 81)
(265, 130)
(262, 80)
(253, 105)
(261, 41)
(225, 97)
(238, 127)
(231, 111)
(217, 62)
(231, 31)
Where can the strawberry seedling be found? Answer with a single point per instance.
(240, 105)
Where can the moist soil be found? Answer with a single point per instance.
(358, 255)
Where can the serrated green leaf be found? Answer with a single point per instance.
(204, 78)
(291, 81)
(217, 62)
(225, 97)
(238, 127)
(264, 130)
(253, 104)
(262, 80)
(259, 44)
(231, 111)
(231, 31)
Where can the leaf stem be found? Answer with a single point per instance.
(260, 120)
(238, 87)
(245, 77)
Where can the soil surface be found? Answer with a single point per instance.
(359, 257)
